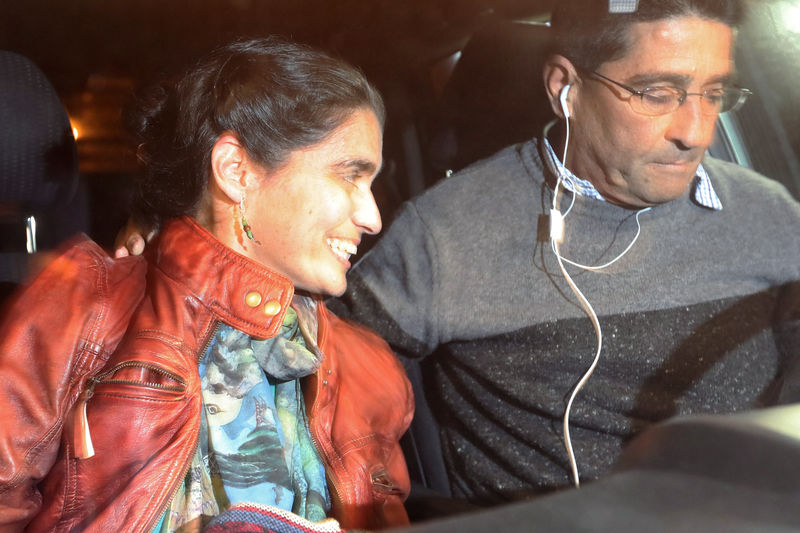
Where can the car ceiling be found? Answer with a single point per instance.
(72, 39)
(95, 52)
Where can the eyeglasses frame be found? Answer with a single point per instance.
(744, 94)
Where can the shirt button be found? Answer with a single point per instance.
(272, 308)
(324, 382)
(252, 299)
(329, 371)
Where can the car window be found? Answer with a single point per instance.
(765, 133)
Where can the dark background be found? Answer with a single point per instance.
(97, 52)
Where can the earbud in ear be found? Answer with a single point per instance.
(563, 99)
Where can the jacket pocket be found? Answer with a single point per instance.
(135, 378)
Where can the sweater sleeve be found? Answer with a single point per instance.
(393, 289)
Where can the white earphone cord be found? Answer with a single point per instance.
(556, 234)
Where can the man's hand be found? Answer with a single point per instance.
(132, 239)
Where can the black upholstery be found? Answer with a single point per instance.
(496, 95)
(759, 449)
(494, 98)
(730, 473)
(38, 166)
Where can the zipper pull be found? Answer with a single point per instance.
(82, 439)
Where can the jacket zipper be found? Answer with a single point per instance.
(336, 494)
(174, 489)
(82, 438)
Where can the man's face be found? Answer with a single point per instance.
(637, 160)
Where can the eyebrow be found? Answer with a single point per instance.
(361, 165)
(651, 79)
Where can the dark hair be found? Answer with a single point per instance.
(588, 35)
(274, 95)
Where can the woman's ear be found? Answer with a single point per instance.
(229, 165)
(559, 72)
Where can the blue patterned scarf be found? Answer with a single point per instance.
(254, 443)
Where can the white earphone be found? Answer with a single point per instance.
(563, 99)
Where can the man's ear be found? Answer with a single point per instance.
(558, 73)
(229, 167)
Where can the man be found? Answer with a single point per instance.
(697, 311)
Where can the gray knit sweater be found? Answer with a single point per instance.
(700, 316)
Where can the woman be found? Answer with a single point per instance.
(217, 377)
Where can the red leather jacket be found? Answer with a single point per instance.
(121, 338)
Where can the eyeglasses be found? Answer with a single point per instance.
(655, 101)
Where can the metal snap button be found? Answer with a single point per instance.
(252, 299)
(272, 308)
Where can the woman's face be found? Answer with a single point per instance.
(309, 215)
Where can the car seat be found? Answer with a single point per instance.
(495, 97)
(42, 200)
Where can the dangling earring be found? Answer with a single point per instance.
(245, 226)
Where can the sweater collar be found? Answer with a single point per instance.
(702, 192)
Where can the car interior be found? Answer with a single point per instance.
(42, 199)
(461, 80)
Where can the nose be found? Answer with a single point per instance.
(366, 214)
(689, 127)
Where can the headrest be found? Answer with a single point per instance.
(38, 158)
(496, 94)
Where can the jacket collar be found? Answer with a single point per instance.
(241, 292)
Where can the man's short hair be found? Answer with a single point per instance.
(591, 32)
